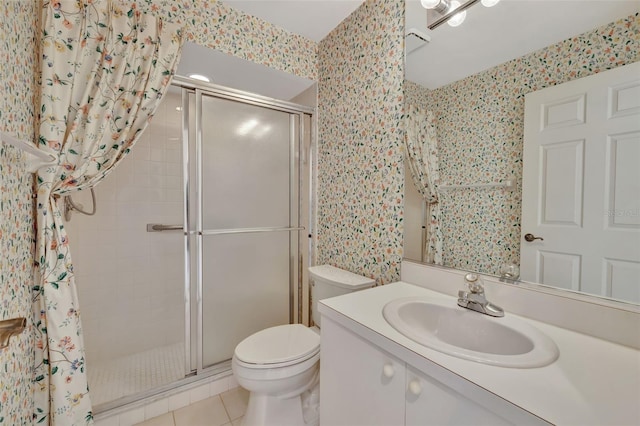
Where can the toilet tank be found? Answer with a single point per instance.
(329, 281)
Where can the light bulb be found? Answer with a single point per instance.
(458, 18)
(489, 3)
(199, 77)
(429, 4)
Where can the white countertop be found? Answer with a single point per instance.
(592, 382)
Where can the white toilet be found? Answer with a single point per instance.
(280, 364)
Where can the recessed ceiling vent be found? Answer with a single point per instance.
(414, 40)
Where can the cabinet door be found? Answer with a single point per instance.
(429, 402)
(359, 383)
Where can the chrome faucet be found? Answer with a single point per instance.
(475, 300)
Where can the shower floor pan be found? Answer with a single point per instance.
(132, 374)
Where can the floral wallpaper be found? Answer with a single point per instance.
(481, 139)
(360, 178)
(216, 25)
(18, 63)
(414, 94)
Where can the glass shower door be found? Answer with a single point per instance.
(247, 227)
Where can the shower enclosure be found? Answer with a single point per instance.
(197, 242)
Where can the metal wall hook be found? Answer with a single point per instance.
(70, 206)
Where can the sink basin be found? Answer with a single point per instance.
(448, 328)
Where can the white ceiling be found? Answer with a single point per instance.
(488, 37)
(237, 73)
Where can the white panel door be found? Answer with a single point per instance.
(581, 185)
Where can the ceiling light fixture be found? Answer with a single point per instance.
(199, 77)
(451, 11)
(459, 17)
(439, 5)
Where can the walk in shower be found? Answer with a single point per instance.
(198, 240)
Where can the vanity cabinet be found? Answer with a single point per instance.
(429, 402)
(359, 383)
(362, 384)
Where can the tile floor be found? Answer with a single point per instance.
(225, 409)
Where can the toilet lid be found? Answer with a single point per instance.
(277, 345)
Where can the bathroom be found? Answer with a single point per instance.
(359, 216)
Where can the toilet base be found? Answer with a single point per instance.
(266, 410)
(276, 394)
(298, 408)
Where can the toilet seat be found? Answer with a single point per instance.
(278, 346)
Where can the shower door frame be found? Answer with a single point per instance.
(198, 89)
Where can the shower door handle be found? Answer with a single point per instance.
(157, 227)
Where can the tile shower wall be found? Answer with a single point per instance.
(360, 175)
(131, 281)
(17, 61)
(216, 25)
(481, 139)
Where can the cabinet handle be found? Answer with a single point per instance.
(388, 370)
(415, 387)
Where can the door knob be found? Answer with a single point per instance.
(530, 237)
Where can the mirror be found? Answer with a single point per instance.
(474, 78)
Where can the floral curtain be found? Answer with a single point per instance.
(105, 68)
(422, 152)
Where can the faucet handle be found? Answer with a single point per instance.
(474, 283)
